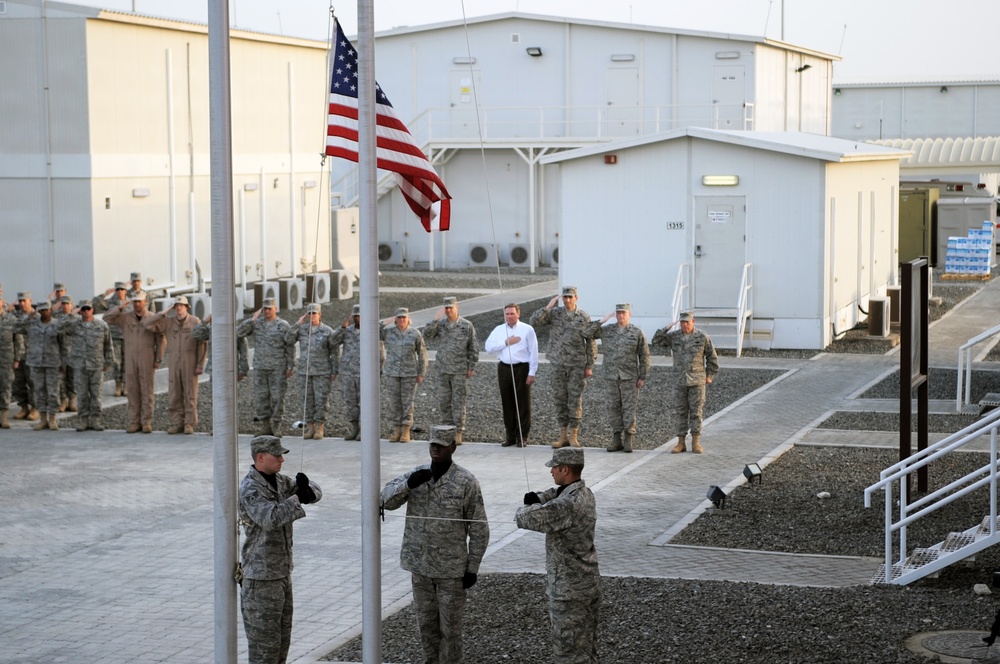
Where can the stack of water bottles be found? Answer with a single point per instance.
(971, 255)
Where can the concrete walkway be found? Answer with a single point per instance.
(106, 539)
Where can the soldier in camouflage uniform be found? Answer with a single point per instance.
(695, 366)
(45, 357)
(455, 362)
(145, 350)
(273, 362)
(348, 336)
(11, 348)
(104, 302)
(405, 366)
(91, 353)
(22, 390)
(572, 356)
(624, 369)
(56, 296)
(61, 309)
(270, 503)
(318, 367)
(443, 546)
(567, 514)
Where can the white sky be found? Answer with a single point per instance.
(885, 40)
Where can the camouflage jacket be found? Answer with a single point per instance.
(317, 354)
(694, 355)
(103, 303)
(267, 516)
(271, 351)
(11, 343)
(46, 342)
(405, 352)
(459, 351)
(568, 519)
(350, 339)
(433, 545)
(567, 344)
(203, 332)
(91, 347)
(625, 351)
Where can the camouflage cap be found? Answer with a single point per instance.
(181, 299)
(266, 445)
(269, 303)
(569, 291)
(451, 301)
(442, 434)
(24, 295)
(402, 312)
(623, 307)
(139, 295)
(566, 456)
(686, 317)
(314, 308)
(135, 276)
(121, 285)
(58, 286)
(86, 304)
(43, 306)
(356, 310)
(65, 299)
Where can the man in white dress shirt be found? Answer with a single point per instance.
(516, 346)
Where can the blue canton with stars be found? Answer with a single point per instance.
(345, 71)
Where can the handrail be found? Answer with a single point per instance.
(911, 512)
(965, 353)
(681, 288)
(744, 304)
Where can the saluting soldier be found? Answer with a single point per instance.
(91, 354)
(45, 357)
(11, 348)
(318, 366)
(119, 298)
(455, 362)
(61, 309)
(273, 363)
(405, 366)
(23, 390)
(144, 352)
(348, 336)
(187, 362)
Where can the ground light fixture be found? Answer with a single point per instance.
(717, 496)
(752, 472)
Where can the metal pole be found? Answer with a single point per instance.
(371, 544)
(223, 333)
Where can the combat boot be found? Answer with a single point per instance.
(263, 428)
(83, 424)
(174, 429)
(404, 434)
(680, 446)
(132, 428)
(53, 423)
(4, 422)
(23, 414)
(318, 430)
(33, 415)
(188, 429)
(124, 391)
(572, 437)
(309, 431)
(43, 423)
(118, 389)
(458, 437)
(616, 442)
(563, 440)
(63, 403)
(394, 436)
(97, 423)
(627, 445)
(276, 427)
(696, 443)
(71, 406)
(355, 433)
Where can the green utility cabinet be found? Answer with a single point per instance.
(917, 219)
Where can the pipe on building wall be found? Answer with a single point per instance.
(291, 167)
(172, 176)
(894, 235)
(243, 237)
(871, 246)
(192, 256)
(50, 193)
(832, 268)
(531, 208)
(263, 230)
(859, 283)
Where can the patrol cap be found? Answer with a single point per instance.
(87, 304)
(139, 295)
(451, 301)
(24, 295)
(121, 285)
(442, 434)
(314, 308)
(266, 445)
(269, 303)
(58, 286)
(136, 276)
(356, 310)
(65, 299)
(43, 306)
(686, 317)
(566, 456)
(402, 312)
(625, 306)
(569, 291)
(181, 299)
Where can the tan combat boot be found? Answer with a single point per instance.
(616, 442)
(276, 428)
(404, 434)
(308, 434)
(71, 406)
(174, 429)
(458, 437)
(696, 443)
(83, 424)
(32, 415)
(572, 437)
(43, 423)
(118, 389)
(318, 430)
(53, 423)
(23, 414)
(188, 429)
(63, 403)
(132, 428)
(394, 436)
(4, 422)
(680, 446)
(355, 433)
(563, 440)
(97, 423)
(627, 444)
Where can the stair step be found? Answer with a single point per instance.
(991, 399)
(956, 541)
(921, 557)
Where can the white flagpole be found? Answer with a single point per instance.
(371, 535)
(223, 332)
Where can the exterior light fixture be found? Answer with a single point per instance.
(720, 180)
(534, 51)
(611, 159)
(250, 186)
(140, 192)
(752, 471)
(623, 57)
(309, 184)
(717, 496)
(837, 92)
(803, 68)
(727, 55)
(944, 89)
(464, 60)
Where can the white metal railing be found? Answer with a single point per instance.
(965, 366)
(744, 307)
(682, 288)
(898, 473)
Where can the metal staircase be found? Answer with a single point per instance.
(904, 568)
(728, 328)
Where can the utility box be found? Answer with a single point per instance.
(878, 317)
(957, 216)
(892, 292)
(345, 252)
(917, 217)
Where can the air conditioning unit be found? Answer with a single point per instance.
(482, 255)
(318, 288)
(201, 304)
(878, 317)
(391, 253)
(264, 290)
(342, 283)
(161, 304)
(245, 299)
(291, 294)
(553, 255)
(520, 255)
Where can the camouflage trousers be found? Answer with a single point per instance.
(269, 387)
(567, 394)
(67, 383)
(88, 391)
(686, 408)
(46, 383)
(623, 396)
(350, 389)
(118, 368)
(22, 389)
(439, 605)
(6, 383)
(267, 619)
(317, 391)
(451, 395)
(401, 394)
(574, 630)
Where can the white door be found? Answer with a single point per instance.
(466, 88)
(623, 113)
(719, 250)
(728, 95)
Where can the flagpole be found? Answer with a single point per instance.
(371, 535)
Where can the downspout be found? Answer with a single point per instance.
(50, 197)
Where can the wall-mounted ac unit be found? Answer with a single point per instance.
(878, 317)
(391, 253)
(201, 304)
(161, 304)
(318, 288)
(244, 302)
(482, 255)
(291, 294)
(264, 290)
(553, 255)
(342, 284)
(520, 255)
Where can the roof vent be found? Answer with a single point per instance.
(515, 38)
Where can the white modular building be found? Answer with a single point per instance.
(790, 233)
(104, 151)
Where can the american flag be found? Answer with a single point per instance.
(395, 147)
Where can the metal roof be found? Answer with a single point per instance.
(916, 82)
(979, 151)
